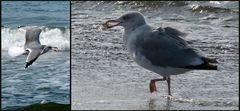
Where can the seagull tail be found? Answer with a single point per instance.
(208, 60)
(202, 67)
(209, 66)
(205, 66)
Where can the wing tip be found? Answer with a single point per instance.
(209, 60)
(205, 65)
(27, 64)
(211, 67)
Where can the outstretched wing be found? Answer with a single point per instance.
(32, 56)
(32, 37)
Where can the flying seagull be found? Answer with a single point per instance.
(161, 50)
(32, 44)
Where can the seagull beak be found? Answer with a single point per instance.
(55, 49)
(111, 23)
(20, 26)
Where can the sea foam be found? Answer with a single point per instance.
(13, 38)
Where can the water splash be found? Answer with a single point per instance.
(15, 51)
(53, 36)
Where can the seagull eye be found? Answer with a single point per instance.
(125, 17)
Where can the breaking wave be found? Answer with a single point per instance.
(54, 36)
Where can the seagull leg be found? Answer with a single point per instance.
(169, 87)
(152, 84)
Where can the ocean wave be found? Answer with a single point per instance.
(48, 106)
(208, 6)
(53, 36)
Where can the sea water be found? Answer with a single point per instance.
(48, 78)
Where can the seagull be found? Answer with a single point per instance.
(32, 44)
(160, 50)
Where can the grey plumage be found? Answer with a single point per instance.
(32, 44)
(163, 50)
(160, 50)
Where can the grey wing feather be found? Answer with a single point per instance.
(174, 33)
(32, 56)
(162, 49)
(32, 37)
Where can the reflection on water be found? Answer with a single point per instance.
(154, 106)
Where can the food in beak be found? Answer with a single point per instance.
(111, 23)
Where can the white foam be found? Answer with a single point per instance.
(15, 51)
(49, 36)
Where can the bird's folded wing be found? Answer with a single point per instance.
(174, 34)
(162, 50)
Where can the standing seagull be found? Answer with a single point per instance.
(32, 44)
(160, 50)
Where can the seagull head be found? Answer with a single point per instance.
(20, 26)
(130, 20)
(48, 48)
(54, 49)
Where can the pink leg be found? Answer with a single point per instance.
(152, 85)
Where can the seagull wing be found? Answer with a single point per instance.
(32, 37)
(32, 56)
(174, 34)
(168, 50)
